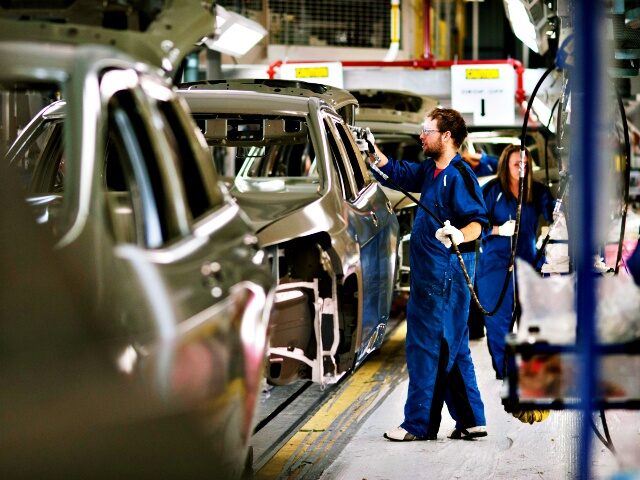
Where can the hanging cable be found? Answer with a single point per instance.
(607, 435)
(546, 143)
(561, 189)
(627, 176)
(606, 439)
(522, 172)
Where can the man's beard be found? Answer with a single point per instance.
(433, 149)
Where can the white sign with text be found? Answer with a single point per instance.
(486, 91)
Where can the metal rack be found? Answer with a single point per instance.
(557, 398)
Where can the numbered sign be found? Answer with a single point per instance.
(486, 91)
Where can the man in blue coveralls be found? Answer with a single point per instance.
(437, 344)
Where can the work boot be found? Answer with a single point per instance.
(399, 434)
(470, 433)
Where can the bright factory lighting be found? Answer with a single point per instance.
(521, 24)
(235, 34)
(543, 113)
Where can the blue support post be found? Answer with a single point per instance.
(587, 128)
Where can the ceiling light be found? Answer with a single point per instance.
(235, 34)
(533, 22)
(521, 24)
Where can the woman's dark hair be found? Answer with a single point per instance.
(450, 120)
(503, 172)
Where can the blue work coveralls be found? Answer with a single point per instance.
(437, 343)
(495, 254)
(633, 264)
(488, 165)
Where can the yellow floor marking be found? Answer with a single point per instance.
(347, 406)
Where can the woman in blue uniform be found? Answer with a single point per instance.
(437, 344)
(501, 199)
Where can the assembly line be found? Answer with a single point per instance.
(369, 249)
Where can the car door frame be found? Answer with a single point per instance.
(367, 204)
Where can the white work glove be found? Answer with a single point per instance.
(507, 229)
(442, 234)
(365, 140)
(368, 136)
(362, 145)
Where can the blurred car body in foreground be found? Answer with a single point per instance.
(66, 411)
(180, 292)
(330, 231)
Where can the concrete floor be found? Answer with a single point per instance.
(512, 450)
(343, 440)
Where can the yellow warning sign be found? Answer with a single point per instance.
(482, 74)
(312, 72)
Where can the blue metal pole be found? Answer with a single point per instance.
(585, 162)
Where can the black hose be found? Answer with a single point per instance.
(516, 233)
(627, 175)
(512, 258)
(606, 440)
(559, 131)
(605, 427)
(560, 190)
(546, 143)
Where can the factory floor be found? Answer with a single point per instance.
(343, 439)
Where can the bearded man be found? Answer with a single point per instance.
(439, 360)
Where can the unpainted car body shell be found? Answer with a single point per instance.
(361, 234)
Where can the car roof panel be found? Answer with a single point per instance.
(336, 97)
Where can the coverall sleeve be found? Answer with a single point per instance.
(408, 175)
(490, 192)
(633, 264)
(468, 205)
(490, 161)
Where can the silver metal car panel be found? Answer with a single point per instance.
(192, 273)
(378, 244)
(338, 98)
(328, 121)
(50, 112)
(172, 34)
(235, 101)
(305, 220)
(360, 232)
(144, 91)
